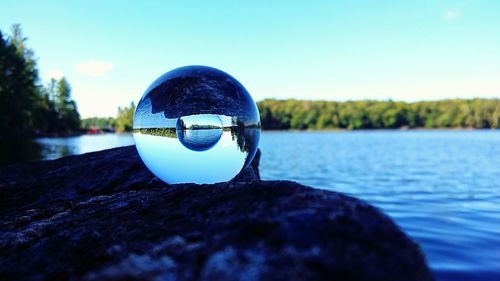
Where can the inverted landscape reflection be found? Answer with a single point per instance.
(199, 132)
(196, 124)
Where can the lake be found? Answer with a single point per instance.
(441, 187)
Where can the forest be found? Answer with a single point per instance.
(122, 122)
(370, 114)
(31, 108)
(354, 115)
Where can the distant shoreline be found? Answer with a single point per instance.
(385, 129)
(292, 130)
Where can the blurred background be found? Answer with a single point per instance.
(397, 103)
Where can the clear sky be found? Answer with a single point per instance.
(111, 51)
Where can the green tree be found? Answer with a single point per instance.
(98, 122)
(69, 118)
(28, 108)
(18, 92)
(351, 115)
(125, 118)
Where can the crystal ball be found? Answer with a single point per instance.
(196, 124)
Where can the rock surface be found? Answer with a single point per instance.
(104, 216)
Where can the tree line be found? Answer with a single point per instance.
(30, 108)
(353, 115)
(122, 122)
(370, 114)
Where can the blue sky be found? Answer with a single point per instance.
(111, 51)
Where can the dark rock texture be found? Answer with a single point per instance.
(104, 216)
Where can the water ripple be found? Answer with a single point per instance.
(442, 187)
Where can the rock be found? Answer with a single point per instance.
(104, 216)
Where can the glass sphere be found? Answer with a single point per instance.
(196, 124)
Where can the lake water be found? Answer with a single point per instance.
(52, 148)
(441, 187)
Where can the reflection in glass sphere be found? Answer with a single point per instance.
(196, 124)
(199, 132)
